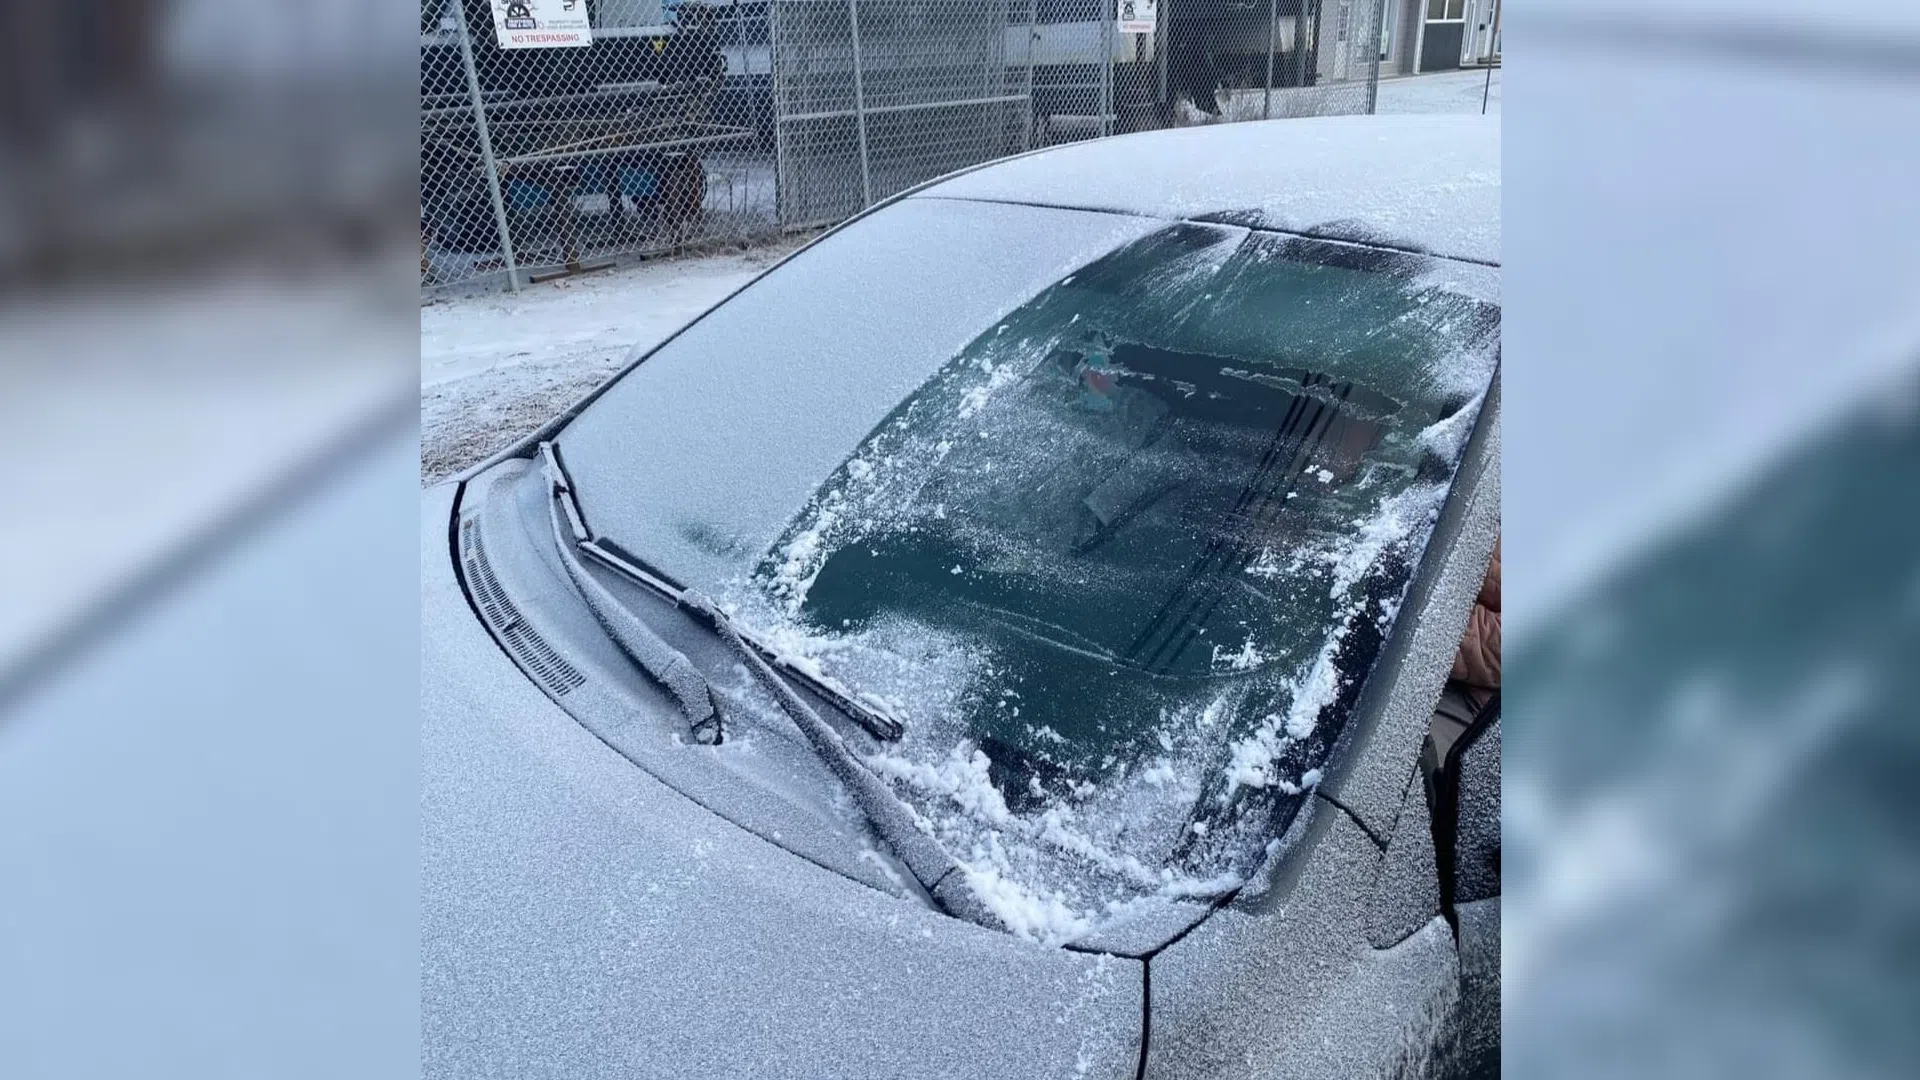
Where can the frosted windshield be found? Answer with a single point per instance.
(1122, 560)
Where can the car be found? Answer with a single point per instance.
(997, 641)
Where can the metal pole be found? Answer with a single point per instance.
(744, 99)
(1032, 33)
(860, 107)
(740, 28)
(1273, 42)
(486, 147)
(1161, 27)
(1486, 91)
(1373, 50)
(1300, 24)
(1106, 68)
(776, 108)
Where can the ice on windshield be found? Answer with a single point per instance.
(1123, 563)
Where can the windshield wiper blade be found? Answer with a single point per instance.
(898, 826)
(667, 665)
(877, 722)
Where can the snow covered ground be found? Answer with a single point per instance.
(495, 365)
(1447, 92)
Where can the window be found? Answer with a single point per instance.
(1169, 500)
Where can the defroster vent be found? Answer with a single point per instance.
(527, 646)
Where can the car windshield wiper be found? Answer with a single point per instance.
(877, 721)
(898, 826)
(667, 665)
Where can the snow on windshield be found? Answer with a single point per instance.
(1117, 564)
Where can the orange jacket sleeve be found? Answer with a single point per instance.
(1477, 661)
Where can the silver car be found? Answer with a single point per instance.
(999, 641)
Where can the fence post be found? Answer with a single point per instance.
(740, 34)
(1112, 10)
(1032, 114)
(777, 108)
(1273, 42)
(1162, 25)
(1373, 50)
(486, 147)
(860, 107)
(1300, 40)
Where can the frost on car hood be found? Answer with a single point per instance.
(1122, 564)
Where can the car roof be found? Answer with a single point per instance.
(1429, 183)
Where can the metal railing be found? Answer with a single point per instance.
(557, 135)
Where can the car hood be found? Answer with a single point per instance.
(580, 918)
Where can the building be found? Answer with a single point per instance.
(1438, 35)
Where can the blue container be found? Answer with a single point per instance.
(525, 195)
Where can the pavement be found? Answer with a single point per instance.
(1446, 92)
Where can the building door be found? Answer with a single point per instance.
(1483, 32)
(1443, 35)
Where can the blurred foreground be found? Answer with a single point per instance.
(1712, 507)
(1713, 829)
(207, 615)
(205, 256)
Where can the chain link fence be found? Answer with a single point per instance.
(558, 135)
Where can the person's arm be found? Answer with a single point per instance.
(1477, 662)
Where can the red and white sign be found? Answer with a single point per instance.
(541, 24)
